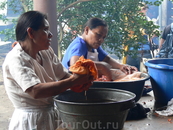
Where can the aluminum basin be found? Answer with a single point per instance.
(104, 108)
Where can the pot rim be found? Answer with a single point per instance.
(99, 103)
(161, 66)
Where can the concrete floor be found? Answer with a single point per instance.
(6, 108)
(153, 121)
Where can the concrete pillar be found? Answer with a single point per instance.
(163, 14)
(49, 7)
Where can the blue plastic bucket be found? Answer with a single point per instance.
(161, 76)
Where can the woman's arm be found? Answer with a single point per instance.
(44, 90)
(112, 62)
(161, 43)
(73, 60)
(103, 69)
(127, 69)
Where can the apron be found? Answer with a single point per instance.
(45, 118)
(93, 55)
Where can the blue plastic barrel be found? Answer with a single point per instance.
(161, 76)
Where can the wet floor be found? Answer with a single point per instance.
(153, 120)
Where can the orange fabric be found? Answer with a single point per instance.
(84, 66)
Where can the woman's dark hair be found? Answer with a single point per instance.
(33, 19)
(94, 23)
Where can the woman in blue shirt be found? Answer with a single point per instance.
(89, 45)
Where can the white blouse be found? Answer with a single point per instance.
(20, 72)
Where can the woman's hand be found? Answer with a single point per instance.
(82, 78)
(127, 69)
(84, 82)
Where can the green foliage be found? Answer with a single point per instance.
(18, 7)
(122, 16)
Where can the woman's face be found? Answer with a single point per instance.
(96, 36)
(42, 37)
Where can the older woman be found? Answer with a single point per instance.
(33, 75)
(89, 45)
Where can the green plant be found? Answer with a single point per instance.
(18, 7)
(122, 16)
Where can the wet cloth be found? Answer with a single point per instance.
(78, 48)
(20, 72)
(138, 112)
(84, 66)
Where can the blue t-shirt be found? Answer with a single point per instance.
(78, 47)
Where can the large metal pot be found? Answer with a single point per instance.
(101, 108)
(135, 86)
